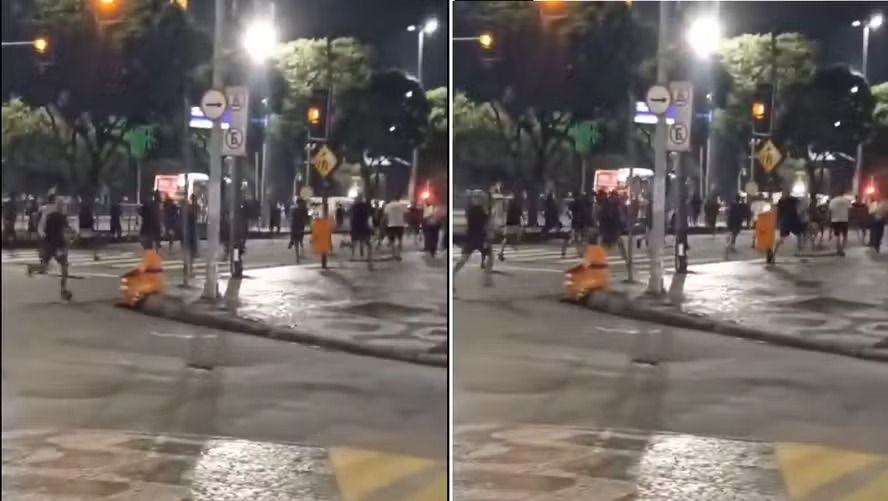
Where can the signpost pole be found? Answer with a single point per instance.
(325, 182)
(681, 217)
(658, 230)
(211, 290)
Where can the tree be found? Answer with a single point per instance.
(747, 60)
(30, 155)
(554, 64)
(878, 141)
(106, 79)
(303, 64)
(480, 150)
(382, 121)
(830, 114)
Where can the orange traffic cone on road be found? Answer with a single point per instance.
(592, 274)
(144, 280)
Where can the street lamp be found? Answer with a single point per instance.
(260, 39)
(703, 37)
(429, 27)
(871, 24)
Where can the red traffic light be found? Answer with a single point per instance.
(759, 110)
(425, 195)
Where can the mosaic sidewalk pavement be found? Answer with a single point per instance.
(89, 465)
(536, 463)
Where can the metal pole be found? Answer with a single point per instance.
(706, 176)
(211, 290)
(681, 216)
(186, 203)
(658, 226)
(262, 172)
(325, 183)
(858, 164)
(138, 182)
(235, 239)
(584, 166)
(414, 166)
(633, 214)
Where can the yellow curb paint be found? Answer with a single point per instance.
(361, 473)
(876, 490)
(805, 468)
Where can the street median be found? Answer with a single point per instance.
(206, 314)
(657, 311)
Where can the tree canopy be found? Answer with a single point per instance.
(105, 79)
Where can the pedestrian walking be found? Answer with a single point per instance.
(86, 225)
(839, 211)
(879, 219)
(395, 215)
(514, 218)
(736, 216)
(115, 226)
(150, 229)
(274, 219)
(171, 221)
(298, 221)
(361, 230)
(10, 215)
(696, 206)
(53, 231)
(711, 213)
(579, 221)
(432, 219)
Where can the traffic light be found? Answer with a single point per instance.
(43, 50)
(316, 115)
(486, 40)
(108, 11)
(761, 110)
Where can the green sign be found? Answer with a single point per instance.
(585, 135)
(140, 141)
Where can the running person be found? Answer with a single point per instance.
(361, 232)
(788, 222)
(54, 245)
(395, 213)
(736, 216)
(514, 217)
(477, 235)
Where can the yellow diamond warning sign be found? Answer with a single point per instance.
(769, 156)
(324, 161)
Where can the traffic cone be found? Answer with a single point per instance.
(144, 280)
(592, 274)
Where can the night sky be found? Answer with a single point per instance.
(829, 23)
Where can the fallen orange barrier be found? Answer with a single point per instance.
(592, 274)
(144, 280)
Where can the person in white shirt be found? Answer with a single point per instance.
(839, 207)
(395, 213)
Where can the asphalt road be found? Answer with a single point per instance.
(87, 365)
(553, 401)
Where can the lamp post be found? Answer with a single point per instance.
(259, 41)
(427, 28)
(871, 24)
(703, 37)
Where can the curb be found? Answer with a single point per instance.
(178, 310)
(621, 306)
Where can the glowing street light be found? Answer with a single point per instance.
(260, 40)
(429, 27)
(871, 24)
(704, 36)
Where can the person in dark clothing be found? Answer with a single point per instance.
(788, 221)
(189, 236)
(10, 214)
(361, 232)
(514, 217)
(340, 216)
(579, 222)
(86, 225)
(171, 221)
(274, 219)
(737, 213)
(477, 236)
(150, 229)
(298, 221)
(116, 227)
(696, 206)
(33, 213)
(711, 213)
(550, 214)
(54, 245)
